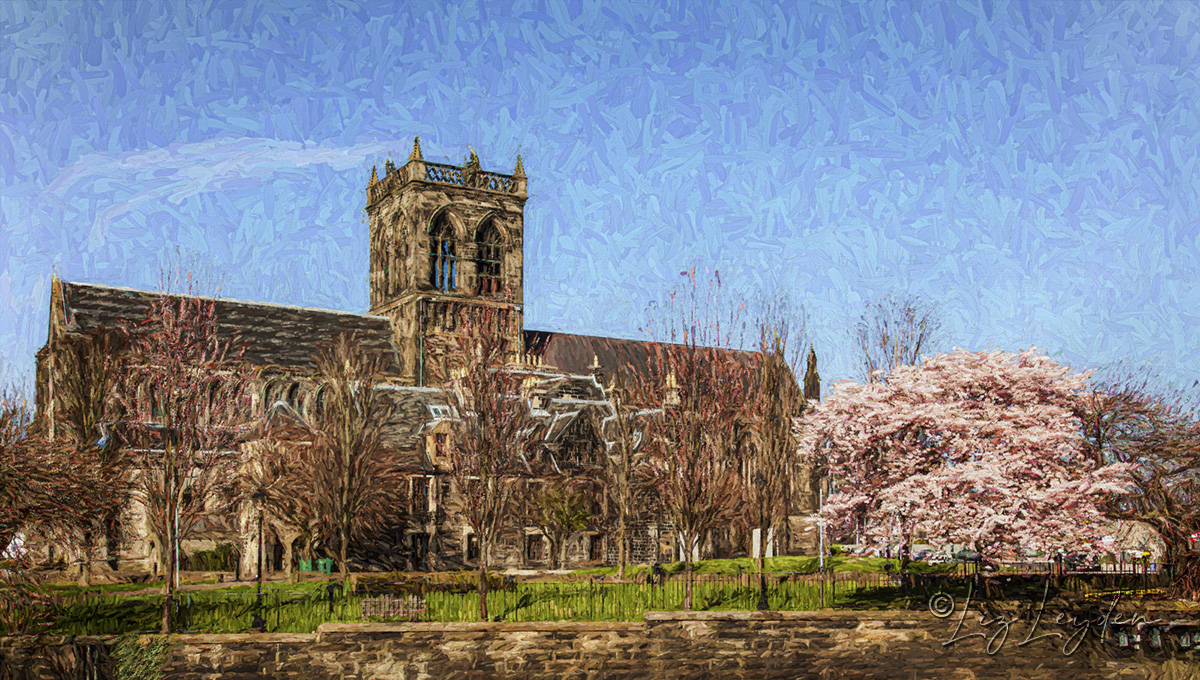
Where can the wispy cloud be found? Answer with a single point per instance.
(179, 171)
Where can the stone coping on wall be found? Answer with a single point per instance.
(821, 615)
(326, 629)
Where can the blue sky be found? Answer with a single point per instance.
(1029, 165)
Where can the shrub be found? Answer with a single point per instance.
(140, 658)
(221, 558)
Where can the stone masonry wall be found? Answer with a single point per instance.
(886, 645)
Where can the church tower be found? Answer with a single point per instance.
(446, 242)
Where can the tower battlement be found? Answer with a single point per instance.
(469, 175)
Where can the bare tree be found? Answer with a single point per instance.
(276, 477)
(184, 396)
(492, 433)
(694, 438)
(87, 369)
(562, 511)
(626, 475)
(896, 331)
(355, 482)
(48, 489)
(770, 451)
(1130, 418)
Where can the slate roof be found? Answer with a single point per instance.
(412, 417)
(274, 335)
(575, 353)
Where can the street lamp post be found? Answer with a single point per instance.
(763, 604)
(821, 543)
(259, 622)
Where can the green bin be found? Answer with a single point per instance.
(305, 566)
(325, 565)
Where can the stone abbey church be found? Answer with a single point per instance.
(445, 241)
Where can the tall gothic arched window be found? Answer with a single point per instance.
(487, 259)
(443, 261)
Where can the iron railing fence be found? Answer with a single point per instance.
(597, 598)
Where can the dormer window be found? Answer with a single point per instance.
(437, 445)
(443, 260)
(439, 411)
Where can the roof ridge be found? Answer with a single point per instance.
(643, 341)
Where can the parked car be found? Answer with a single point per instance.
(1080, 562)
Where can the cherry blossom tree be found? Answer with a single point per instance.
(980, 448)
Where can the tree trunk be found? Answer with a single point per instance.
(761, 560)
(552, 556)
(1186, 580)
(483, 610)
(86, 550)
(621, 556)
(288, 571)
(687, 571)
(344, 555)
(168, 577)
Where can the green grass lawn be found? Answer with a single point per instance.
(301, 607)
(871, 565)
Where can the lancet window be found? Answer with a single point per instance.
(443, 259)
(487, 259)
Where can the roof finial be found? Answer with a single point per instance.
(374, 177)
(520, 169)
(474, 158)
(416, 152)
